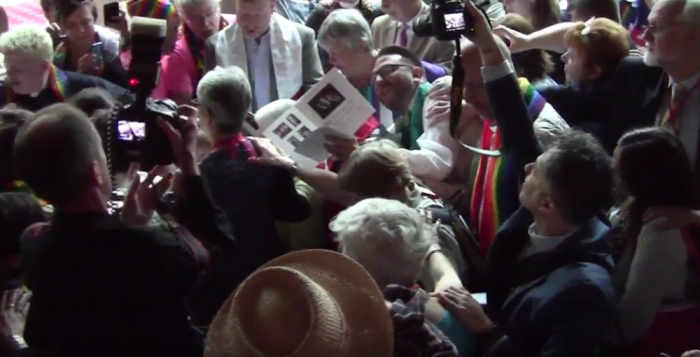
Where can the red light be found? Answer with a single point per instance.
(133, 82)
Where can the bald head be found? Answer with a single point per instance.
(474, 92)
(54, 153)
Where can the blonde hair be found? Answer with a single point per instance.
(376, 169)
(602, 42)
(32, 40)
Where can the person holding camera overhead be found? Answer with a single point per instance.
(82, 51)
(103, 284)
(34, 82)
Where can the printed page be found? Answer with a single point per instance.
(334, 102)
(288, 132)
(332, 107)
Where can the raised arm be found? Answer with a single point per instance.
(549, 38)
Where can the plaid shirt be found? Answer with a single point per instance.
(413, 336)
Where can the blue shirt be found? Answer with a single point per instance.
(259, 69)
(295, 10)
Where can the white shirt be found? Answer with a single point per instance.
(434, 159)
(541, 244)
(688, 116)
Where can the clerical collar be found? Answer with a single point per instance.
(34, 95)
(349, 5)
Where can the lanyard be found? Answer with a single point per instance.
(231, 143)
(674, 109)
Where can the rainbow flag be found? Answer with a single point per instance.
(496, 186)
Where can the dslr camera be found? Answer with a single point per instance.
(134, 133)
(448, 20)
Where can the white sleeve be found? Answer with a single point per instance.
(434, 159)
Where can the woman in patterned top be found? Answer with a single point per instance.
(82, 50)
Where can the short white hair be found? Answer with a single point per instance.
(32, 40)
(225, 92)
(347, 27)
(193, 3)
(389, 239)
(272, 111)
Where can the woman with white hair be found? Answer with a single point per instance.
(392, 242)
(185, 66)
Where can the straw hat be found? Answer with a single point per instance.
(311, 303)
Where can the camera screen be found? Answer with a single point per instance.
(454, 22)
(131, 130)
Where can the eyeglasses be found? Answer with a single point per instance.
(387, 70)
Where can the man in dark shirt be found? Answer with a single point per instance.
(253, 197)
(105, 286)
(33, 82)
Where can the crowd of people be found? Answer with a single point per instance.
(561, 217)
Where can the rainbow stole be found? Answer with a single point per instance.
(495, 185)
(154, 9)
(58, 82)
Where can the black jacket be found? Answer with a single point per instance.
(74, 83)
(102, 288)
(254, 197)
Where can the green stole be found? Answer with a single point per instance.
(410, 126)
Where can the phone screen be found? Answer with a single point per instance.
(131, 130)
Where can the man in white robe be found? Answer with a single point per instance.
(279, 56)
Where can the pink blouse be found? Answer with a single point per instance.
(181, 75)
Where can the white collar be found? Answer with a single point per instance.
(34, 95)
(688, 82)
(545, 243)
(349, 5)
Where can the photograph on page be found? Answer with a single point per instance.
(334, 102)
(313, 145)
(288, 132)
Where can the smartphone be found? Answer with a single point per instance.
(112, 12)
(96, 51)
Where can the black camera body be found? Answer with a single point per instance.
(134, 133)
(448, 20)
(136, 136)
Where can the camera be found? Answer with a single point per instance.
(134, 133)
(448, 20)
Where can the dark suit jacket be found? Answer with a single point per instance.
(561, 301)
(609, 107)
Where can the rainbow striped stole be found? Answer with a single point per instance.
(495, 184)
(155, 9)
